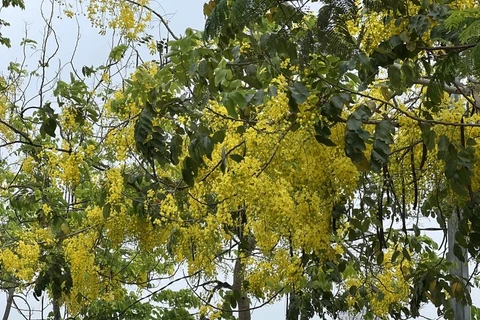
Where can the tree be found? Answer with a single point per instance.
(72, 214)
(296, 151)
(7, 3)
(402, 111)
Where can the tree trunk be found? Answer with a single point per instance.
(243, 303)
(56, 310)
(293, 311)
(8, 307)
(460, 269)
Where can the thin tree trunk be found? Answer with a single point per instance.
(8, 307)
(56, 310)
(460, 269)
(243, 303)
(293, 312)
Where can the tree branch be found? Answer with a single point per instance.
(448, 89)
(158, 15)
(459, 47)
(8, 307)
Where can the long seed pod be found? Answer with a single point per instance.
(424, 156)
(414, 177)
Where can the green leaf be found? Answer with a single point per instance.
(458, 251)
(416, 230)
(380, 258)
(355, 141)
(230, 105)
(176, 148)
(87, 71)
(13, 3)
(299, 92)
(395, 256)
(49, 126)
(450, 168)
(233, 300)
(220, 75)
(238, 99)
(458, 188)
(325, 141)
(5, 41)
(189, 171)
(471, 31)
(384, 131)
(218, 136)
(409, 74)
(353, 290)
(187, 176)
(464, 174)
(419, 24)
(144, 126)
(117, 52)
(354, 124)
(395, 76)
(202, 68)
(429, 139)
(435, 91)
(236, 157)
(395, 41)
(380, 155)
(258, 97)
(207, 147)
(106, 210)
(338, 102)
(443, 143)
(361, 162)
(356, 119)
(323, 134)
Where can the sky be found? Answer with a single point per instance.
(93, 50)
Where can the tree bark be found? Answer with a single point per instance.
(56, 310)
(293, 311)
(243, 303)
(460, 269)
(8, 307)
(246, 246)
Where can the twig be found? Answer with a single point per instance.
(185, 277)
(459, 47)
(158, 15)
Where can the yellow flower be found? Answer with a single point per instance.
(106, 77)
(46, 209)
(152, 46)
(28, 165)
(24, 262)
(69, 13)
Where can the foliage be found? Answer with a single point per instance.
(409, 144)
(74, 227)
(8, 3)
